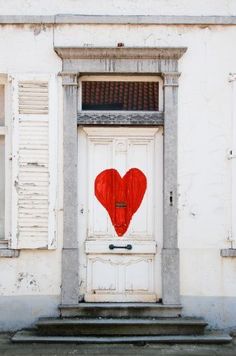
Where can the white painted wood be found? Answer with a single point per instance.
(82, 208)
(4, 161)
(103, 247)
(53, 162)
(120, 278)
(33, 97)
(120, 275)
(8, 156)
(34, 163)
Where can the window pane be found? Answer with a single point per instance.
(2, 106)
(2, 187)
(104, 95)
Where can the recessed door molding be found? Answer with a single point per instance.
(123, 61)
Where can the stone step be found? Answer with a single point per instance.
(208, 338)
(120, 310)
(120, 326)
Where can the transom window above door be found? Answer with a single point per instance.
(119, 93)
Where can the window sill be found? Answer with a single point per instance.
(228, 252)
(7, 252)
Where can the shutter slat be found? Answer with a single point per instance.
(27, 94)
(28, 213)
(33, 97)
(32, 184)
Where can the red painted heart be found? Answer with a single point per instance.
(121, 197)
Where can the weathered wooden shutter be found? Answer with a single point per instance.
(34, 132)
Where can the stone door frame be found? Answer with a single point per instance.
(127, 61)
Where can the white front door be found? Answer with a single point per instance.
(120, 187)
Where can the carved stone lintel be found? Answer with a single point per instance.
(122, 118)
(120, 52)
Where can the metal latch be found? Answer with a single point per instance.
(127, 247)
(231, 155)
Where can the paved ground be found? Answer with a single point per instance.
(9, 349)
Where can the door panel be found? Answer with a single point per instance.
(118, 273)
(120, 278)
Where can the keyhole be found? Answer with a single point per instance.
(171, 198)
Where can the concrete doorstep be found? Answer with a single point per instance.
(208, 338)
(7, 348)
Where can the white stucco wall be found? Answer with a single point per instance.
(119, 7)
(207, 280)
(205, 113)
(30, 284)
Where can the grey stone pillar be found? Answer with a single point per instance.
(70, 273)
(170, 251)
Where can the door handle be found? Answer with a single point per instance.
(127, 247)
